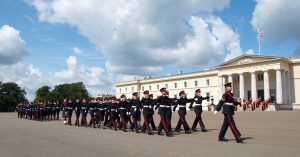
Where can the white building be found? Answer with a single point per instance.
(252, 76)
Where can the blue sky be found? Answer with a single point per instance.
(101, 43)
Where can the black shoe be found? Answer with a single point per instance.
(204, 130)
(150, 133)
(188, 132)
(169, 134)
(240, 140)
(194, 129)
(154, 129)
(177, 130)
(159, 133)
(223, 140)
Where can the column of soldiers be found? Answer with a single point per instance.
(40, 111)
(125, 114)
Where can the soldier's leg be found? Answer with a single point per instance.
(224, 128)
(233, 127)
(185, 124)
(201, 123)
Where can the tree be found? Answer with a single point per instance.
(10, 95)
(43, 94)
(62, 91)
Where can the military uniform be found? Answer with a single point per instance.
(228, 103)
(84, 111)
(92, 109)
(198, 110)
(182, 112)
(147, 105)
(135, 106)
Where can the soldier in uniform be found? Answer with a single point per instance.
(228, 103)
(77, 106)
(84, 111)
(123, 110)
(65, 111)
(70, 111)
(135, 106)
(182, 112)
(114, 113)
(92, 108)
(151, 120)
(147, 103)
(164, 104)
(198, 110)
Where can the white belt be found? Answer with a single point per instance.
(91, 108)
(230, 104)
(83, 108)
(198, 104)
(162, 105)
(122, 108)
(145, 106)
(112, 109)
(133, 106)
(182, 106)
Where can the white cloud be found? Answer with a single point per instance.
(140, 37)
(12, 46)
(31, 78)
(279, 20)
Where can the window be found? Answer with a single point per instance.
(143, 89)
(157, 87)
(260, 77)
(175, 96)
(208, 94)
(132, 89)
(166, 86)
(125, 89)
(150, 88)
(120, 90)
(196, 83)
(185, 84)
(175, 85)
(207, 82)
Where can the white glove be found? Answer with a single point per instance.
(215, 112)
(134, 109)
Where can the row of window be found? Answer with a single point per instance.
(185, 85)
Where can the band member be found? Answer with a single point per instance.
(135, 106)
(198, 110)
(182, 112)
(147, 103)
(228, 102)
(164, 104)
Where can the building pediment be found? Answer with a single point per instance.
(247, 59)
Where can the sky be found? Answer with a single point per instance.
(103, 42)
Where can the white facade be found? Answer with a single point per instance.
(252, 76)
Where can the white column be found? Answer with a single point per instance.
(242, 86)
(220, 83)
(266, 85)
(230, 80)
(278, 87)
(288, 88)
(284, 91)
(253, 86)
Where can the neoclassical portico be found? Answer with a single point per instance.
(257, 77)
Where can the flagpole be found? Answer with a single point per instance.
(258, 39)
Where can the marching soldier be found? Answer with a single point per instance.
(65, 111)
(164, 103)
(135, 106)
(182, 112)
(77, 112)
(92, 108)
(198, 110)
(84, 110)
(228, 102)
(147, 103)
(70, 111)
(123, 112)
(114, 113)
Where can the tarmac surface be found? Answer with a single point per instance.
(268, 134)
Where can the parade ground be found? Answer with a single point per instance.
(267, 134)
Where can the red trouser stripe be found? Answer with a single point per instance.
(164, 123)
(232, 126)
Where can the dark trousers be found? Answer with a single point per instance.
(198, 119)
(164, 122)
(182, 121)
(229, 122)
(83, 119)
